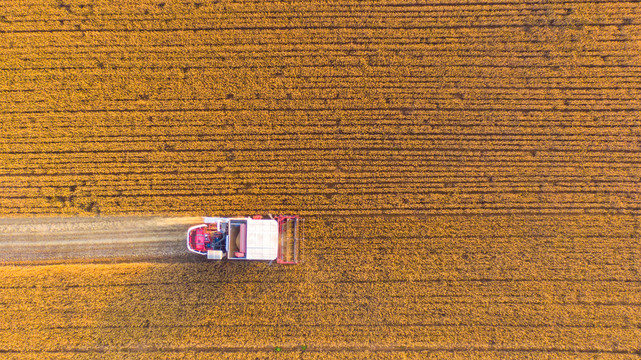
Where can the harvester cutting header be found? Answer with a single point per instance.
(251, 238)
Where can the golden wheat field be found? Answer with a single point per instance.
(469, 172)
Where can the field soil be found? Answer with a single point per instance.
(469, 173)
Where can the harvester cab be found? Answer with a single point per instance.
(252, 238)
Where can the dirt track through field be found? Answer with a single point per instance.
(52, 239)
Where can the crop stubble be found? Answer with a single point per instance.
(469, 171)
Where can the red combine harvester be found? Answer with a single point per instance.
(251, 238)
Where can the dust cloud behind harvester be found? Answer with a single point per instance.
(68, 238)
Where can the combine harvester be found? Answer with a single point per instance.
(251, 238)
